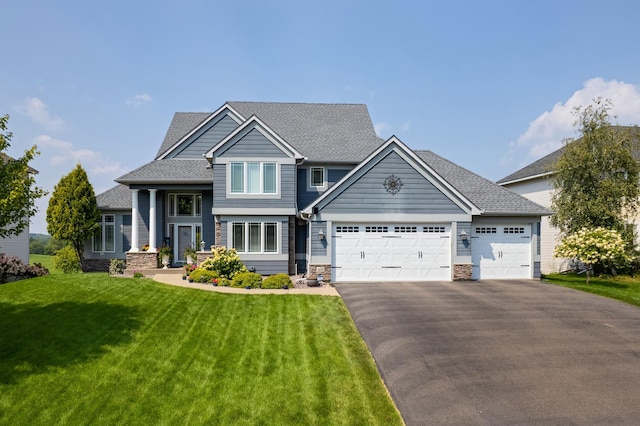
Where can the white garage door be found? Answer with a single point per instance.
(391, 252)
(501, 251)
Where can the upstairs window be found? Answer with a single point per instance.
(188, 205)
(316, 177)
(253, 178)
(104, 239)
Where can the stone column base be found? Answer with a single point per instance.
(320, 269)
(462, 272)
(142, 260)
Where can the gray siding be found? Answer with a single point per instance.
(122, 229)
(287, 191)
(368, 194)
(205, 139)
(17, 245)
(269, 267)
(319, 247)
(305, 195)
(463, 248)
(253, 144)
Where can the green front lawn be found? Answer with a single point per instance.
(91, 349)
(623, 288)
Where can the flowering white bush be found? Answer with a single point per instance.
(225, 262)
(594, 246)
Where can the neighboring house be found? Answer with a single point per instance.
(16, 245)
(310, 188)
(533, 182)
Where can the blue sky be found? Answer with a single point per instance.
(489, 85)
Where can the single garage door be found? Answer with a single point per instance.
(390, 252)
(501, 251)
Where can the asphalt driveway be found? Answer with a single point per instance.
(501, 352)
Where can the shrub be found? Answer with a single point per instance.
(246, 279)
(66, 260)
(595, 247)
(12, 267)
(225, 262)
(117, 267)
(277, 281)
(138, 274)
(224, 282)
(200, 275)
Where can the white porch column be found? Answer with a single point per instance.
(135, 246)
(152, 220)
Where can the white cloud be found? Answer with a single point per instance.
(61, 152)
(38, 111)
(138, 100)
(546, 133)
(382, 129)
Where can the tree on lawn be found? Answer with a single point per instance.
(597, 177)
(73, 212)
(18, 190)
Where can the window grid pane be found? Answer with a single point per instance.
(269, 171)
(237, 177)
(317, 176)
(253, 178)
(238, 237)
(271, 238)
(255, 239)
(97, 240)
(109, 238)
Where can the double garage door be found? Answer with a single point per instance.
(409, 252)
(391, 252)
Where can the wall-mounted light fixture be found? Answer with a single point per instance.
(463, 235)
(321, 235)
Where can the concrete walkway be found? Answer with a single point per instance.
(176, 279)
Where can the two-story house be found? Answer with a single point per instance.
(310, 188)
(16, 245)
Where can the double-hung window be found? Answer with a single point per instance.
(255, 237)
(253, 177)
(104, 239)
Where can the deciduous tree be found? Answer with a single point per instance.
(597, 177)
(73, 212)
(18, 190)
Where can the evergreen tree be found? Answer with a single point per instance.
(73, 212)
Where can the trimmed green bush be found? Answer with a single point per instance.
(200, 275)
(66, 260)
(246, 279)
(224, 282)
(277, 281)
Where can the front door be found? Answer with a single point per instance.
(185, 238)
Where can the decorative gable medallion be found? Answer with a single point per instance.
(392, 184)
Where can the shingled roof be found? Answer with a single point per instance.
(544, 166)
(116, 198)
(484, 194)
(170, 171)
(321, 132)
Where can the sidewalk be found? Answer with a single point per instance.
(176, 279)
